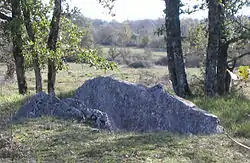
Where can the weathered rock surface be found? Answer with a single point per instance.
(43, 104)
(133, 107)
(125, 106)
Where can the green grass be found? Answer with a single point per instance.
(51, 140)
(234, 113)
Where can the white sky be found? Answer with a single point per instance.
(130, 9)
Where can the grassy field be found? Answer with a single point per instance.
(51, 140)
(156, 54)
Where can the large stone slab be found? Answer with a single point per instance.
(43, 104)
(133, 107)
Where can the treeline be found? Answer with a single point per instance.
(143, 34)
(138, 33)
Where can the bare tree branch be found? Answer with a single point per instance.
(239, 23)
(238, 57)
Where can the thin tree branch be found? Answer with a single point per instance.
(239, 23)
(5, 17)
(238, 57)
(241, 37)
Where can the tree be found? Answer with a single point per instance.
(176, 65)
(6, 50)
(224, 29)
(83, 23)
(231, 32)
(31, 34)
(213, 47)
(29, 39)
(125, 34)
(16, 32)
(52, 40)
(12, 7)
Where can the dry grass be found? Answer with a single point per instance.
(50, 140)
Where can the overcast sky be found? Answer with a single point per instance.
(130, 9)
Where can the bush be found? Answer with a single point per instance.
(113, 53)
(140, 64)
(163, 61)
(196, 84)
(127, 57)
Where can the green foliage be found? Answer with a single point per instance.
(197, 37)
(5, 35)
(244, 72)
(92, 58)
(69, 43)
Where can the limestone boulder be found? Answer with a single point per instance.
(43, 104)
(133, 107)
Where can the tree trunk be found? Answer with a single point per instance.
(171, 68)
(54, 25)
(31, 34)
(222, 56)
(176, 64)
(16, 32)
(213, 48)
(221, 69)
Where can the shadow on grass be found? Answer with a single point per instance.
(87, 145)
(130, 145)
(90, 145)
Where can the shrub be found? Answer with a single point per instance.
(113, 53)
(140, 64)
(127, 57)
(163, 61)
(196, 84)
